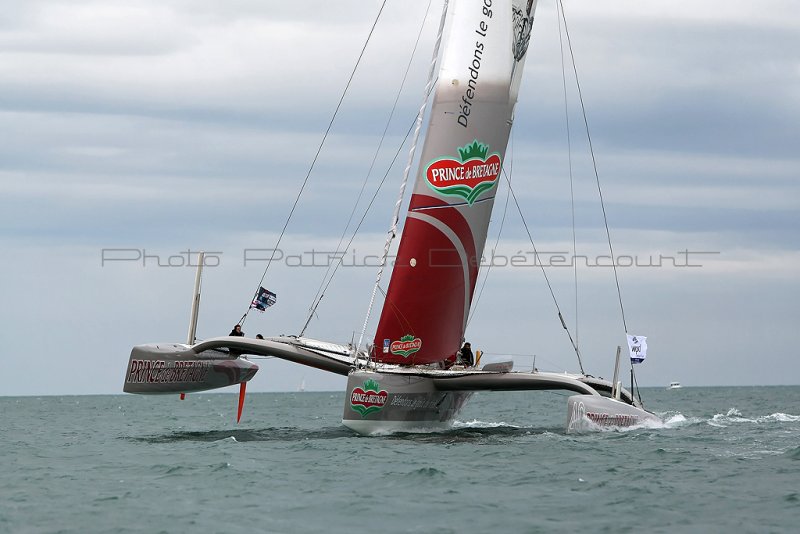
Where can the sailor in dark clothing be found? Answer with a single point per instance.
(237, 331)
(465, 355)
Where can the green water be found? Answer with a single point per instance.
(726, 460)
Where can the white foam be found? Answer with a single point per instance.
(779, 417)
(678, 420)
(648, 424)
(589, 426)
(734, 416)
(481, 424)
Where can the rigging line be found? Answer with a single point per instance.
(571, 181)
(594, 165)
(635, 383)
(370, 352)
(323, 286)
(417, 129)
(497, 240)
(544, 272)
(638, 391)
(316, 156)
(366, 212)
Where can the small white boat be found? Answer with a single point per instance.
(674, 385)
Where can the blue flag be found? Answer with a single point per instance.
(264, 299)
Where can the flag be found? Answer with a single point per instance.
(264, 299)
(638, 348)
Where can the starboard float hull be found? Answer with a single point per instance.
(382, 403)
(586, 413)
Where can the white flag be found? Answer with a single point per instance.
(637, 345)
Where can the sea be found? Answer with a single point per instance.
(726, 459)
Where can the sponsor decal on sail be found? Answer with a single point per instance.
(474, 172)
(523, 23)
(369, 399)
(407, 346)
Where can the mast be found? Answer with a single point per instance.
(430, 292)
(195, 299)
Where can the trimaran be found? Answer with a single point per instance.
(398, 382)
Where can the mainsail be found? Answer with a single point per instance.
(428, 301)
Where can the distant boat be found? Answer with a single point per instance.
(302, 386)
(674, 385)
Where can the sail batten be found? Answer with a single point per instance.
(427, 304)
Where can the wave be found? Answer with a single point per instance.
(425, 472)
(244, 435)
(668, 420)
(781, 418)
(734, 416)
(471, 429)
(481, 424)
(678, 420)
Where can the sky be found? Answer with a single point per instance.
(135, 134)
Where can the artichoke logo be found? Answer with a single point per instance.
(369, 399)
(474, 172)
(407, 346)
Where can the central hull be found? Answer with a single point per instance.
(382, 403)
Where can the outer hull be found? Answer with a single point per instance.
(589, 412)
(379, 403)
(175, 368)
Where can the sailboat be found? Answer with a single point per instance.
(402, 380)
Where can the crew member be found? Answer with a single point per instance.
(237, 331)
(465, 355)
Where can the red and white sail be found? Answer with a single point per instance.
(428, 301)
